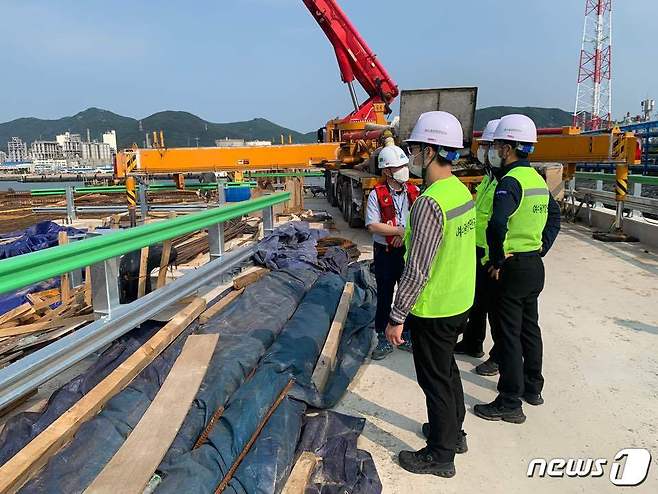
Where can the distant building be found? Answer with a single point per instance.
(258, 143)
(3, 157)
(229, 143)
(46, 150)
(48, 166)
(110, 137)
(17, 150)
(71, 145)
(96, 153)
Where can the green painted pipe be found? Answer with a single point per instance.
(292, 174)
(610, 177)
(26, 269)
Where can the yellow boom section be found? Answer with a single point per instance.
(219, 159)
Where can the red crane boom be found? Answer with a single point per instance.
(355, 59)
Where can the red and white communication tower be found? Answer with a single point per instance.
(594, 96)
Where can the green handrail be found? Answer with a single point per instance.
(610, 177)
(282, 174)
(34, 267)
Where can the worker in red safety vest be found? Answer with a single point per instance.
(386, 218)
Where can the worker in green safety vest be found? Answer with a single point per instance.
(524, 223)
(474, 335)
(437, 289)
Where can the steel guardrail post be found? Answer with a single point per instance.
(105, 286)
(599, 187)
(268, 220)
(70, 204)
(143, 202)
(637, 192)
(216, 241)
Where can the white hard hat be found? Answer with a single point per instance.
(392, 157)
(439, 128)
(489, 131)
(517, 128)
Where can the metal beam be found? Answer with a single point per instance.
(31, 371)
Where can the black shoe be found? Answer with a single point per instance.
(533, 399)
(423, 462)
(493, 411)
(407, 346)
(462, 349)
(462, 446)
(487, 368)
(383, 349)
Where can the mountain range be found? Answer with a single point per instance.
(182, 129)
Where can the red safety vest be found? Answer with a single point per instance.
(387, 207)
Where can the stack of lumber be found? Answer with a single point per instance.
(350, 247)
(36, 323)
(190, 246)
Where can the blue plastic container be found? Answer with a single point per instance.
(237, 194)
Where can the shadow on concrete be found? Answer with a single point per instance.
(637, 325)
(610, 248)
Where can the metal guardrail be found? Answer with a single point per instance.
(610, 177)
(102, 254)
(28, 373)
(31, 268)
(642, 204)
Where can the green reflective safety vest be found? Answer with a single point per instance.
(450, 288)
(526, 225)
(483, 209)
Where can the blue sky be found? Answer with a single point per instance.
(228, 60)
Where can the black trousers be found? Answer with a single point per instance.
(476, 329)
(438, 375)
(389, 265)
(519, 347)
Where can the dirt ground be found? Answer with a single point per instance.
(599, 316)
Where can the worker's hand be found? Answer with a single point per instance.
(494, 273)
(398, 242)
(394, 334)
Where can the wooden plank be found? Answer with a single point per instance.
(215, 309)
(327, 360)
(249, 278)
(18, 470)
(164, 262)
(65, 279)
(88, 301)
(139, 456)
(44, 326)
(15, 312)
(143, 268)
(301, 473)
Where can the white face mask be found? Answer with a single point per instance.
(402, 175)
(416, 169)
(494, 158)
(482, 155)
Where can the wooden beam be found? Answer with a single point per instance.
(139, 456)
(88, 292)
(24, 464)
(65, 279)
(143, 268)
(301, 473)
(249, 278)
(327, 360)
(45, 326)
(15, 312)
(164, 259)
(164, 263)
(213, 310)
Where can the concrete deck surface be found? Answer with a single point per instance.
(599, 317)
